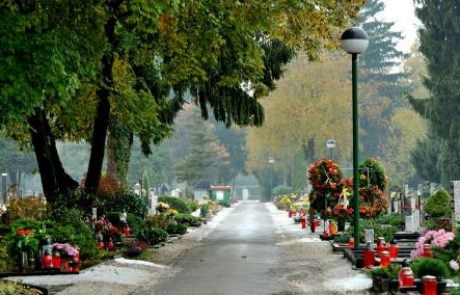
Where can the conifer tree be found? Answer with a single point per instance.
(439, 39)
(378, 74)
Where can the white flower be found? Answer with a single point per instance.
(454, 265)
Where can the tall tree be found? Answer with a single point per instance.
(64, 63)
(206, 156)
(380, 73)
(439, 37)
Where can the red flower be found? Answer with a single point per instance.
(21, 232)
(349, 211)
(27, 232)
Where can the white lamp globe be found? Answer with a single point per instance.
(354, 40)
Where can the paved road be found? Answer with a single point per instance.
(238, 257)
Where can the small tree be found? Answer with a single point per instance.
(438, 204)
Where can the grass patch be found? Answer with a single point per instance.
(13, 288)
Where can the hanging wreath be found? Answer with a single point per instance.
(371, 172)
(328, 184)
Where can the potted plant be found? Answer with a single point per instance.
(433, 267)
(384, 278)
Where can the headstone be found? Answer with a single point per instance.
(4, 188)
(416, 215)
(432, 187)
(413, 203)
(94, 217)
(369, 236)
(396, 207)
(456, 189)
(409, 224)
(245, 193)
(153, 203)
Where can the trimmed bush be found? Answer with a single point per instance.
(129, 202)
(188, 219)
(175, 203)
(152, 235)
(282, 190)
(438, 204)
(181, 229)
(429, 266)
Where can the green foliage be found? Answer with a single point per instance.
(386, 231)
(188, 219)
(175, 203)
(177, 228)
(394, 220)
(72, 231)
(204, 210)
(425, 158)
(282, 190)
(390, 272)
(136, 224)
(15, 288)
(438, 204)
(440, 107)
(192, 205)
(225, 203)
(152, 235)
(30, 208)
(376, 174)
(6, 261)
(429, 266)
(129, 202)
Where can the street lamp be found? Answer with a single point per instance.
(355, 41)
(271, 161)
(330, 144)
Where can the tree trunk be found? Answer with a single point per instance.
(55, 181)
(119, 142)
(101, 121)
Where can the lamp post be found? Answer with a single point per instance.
(355, 41)
(330, 144)
(271, 161)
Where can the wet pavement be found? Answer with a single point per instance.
(240, 256)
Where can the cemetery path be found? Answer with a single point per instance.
(257, 250)
(251, 249)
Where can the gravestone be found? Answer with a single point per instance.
(369, 236)
(409, 224)
(4, 188)
(432, 187)
(416, 218)
(456, 189)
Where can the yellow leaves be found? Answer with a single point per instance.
(313, 100)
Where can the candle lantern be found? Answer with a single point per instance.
(56, 260)
(369, 256)
(385, 259)
(429, 285)
(427, 251)
(351, 243)
(394, 251)
(406, 277)
(47, 260)
(303, 222)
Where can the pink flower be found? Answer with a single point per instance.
(454, 265)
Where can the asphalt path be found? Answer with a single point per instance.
(239, 257)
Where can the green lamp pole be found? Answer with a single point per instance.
(355, 41)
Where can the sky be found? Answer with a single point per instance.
(401, 12)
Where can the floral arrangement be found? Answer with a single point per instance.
(25, 240)
(437, 239)
(373, 202)
(328, 183)
(341, 213)
(172, 212)
(162, 207)
(65, 249)
(283, 202)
